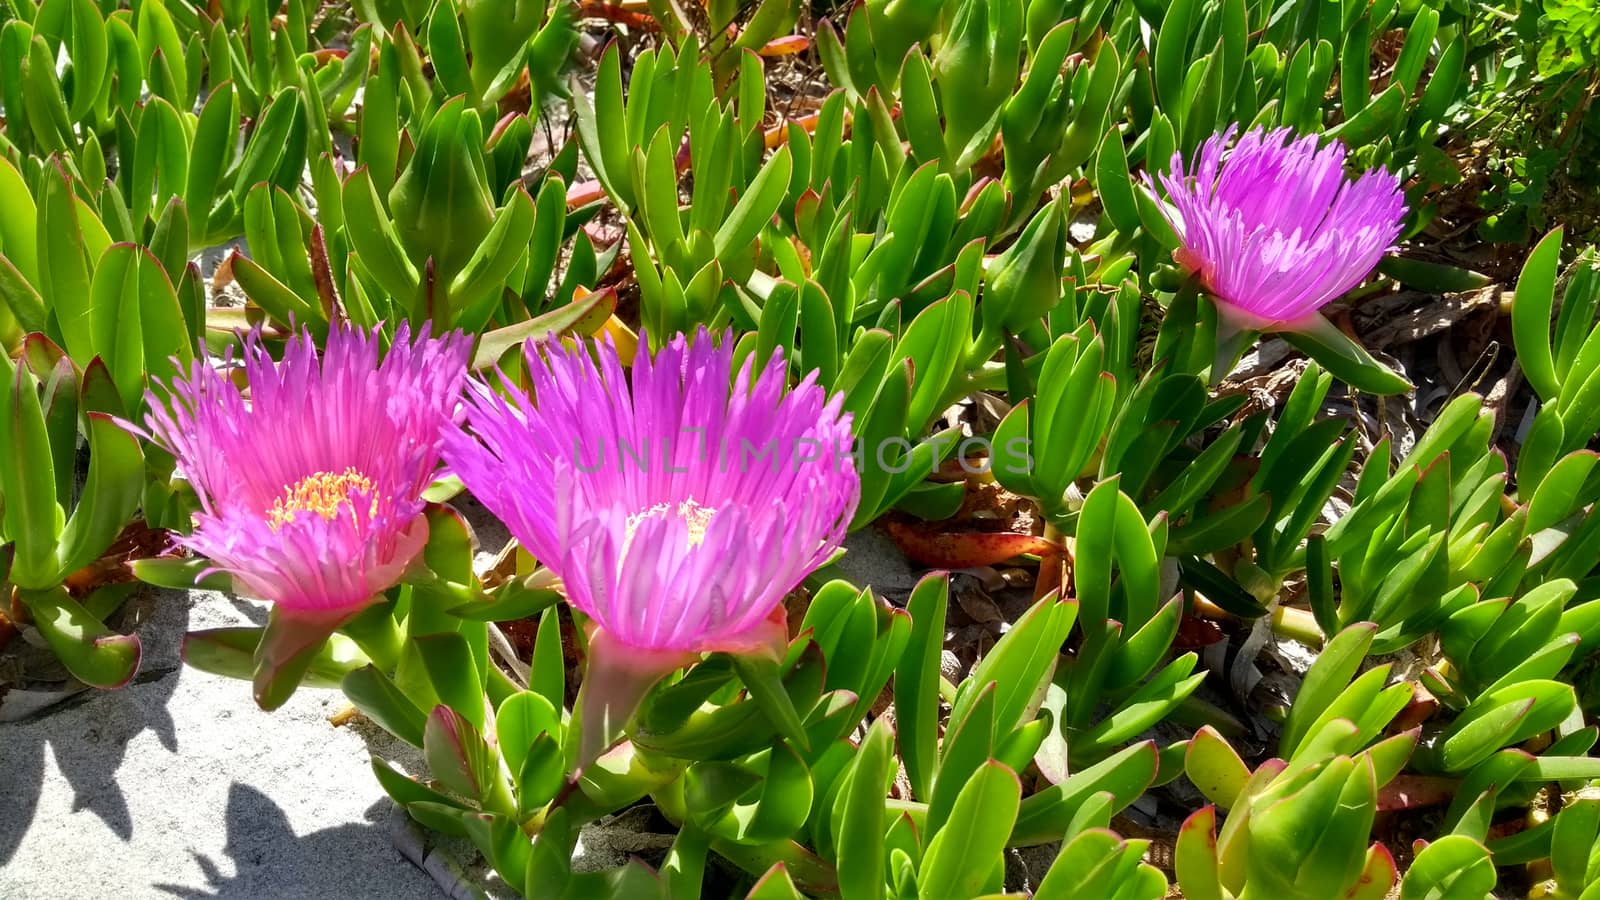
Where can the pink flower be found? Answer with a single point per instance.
(311, 490)
(677, 516)
(1275, 231)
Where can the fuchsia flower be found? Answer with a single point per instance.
(1275, 231)
(677, 516)
(655, 504)
(311, 490)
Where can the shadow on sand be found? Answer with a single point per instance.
(270, 862)
(89, 735)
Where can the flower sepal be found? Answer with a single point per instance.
(1339, 353)
(760, 664)
(616, 679)
(292, 641)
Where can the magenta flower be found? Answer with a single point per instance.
(311, 490)
(677, 515)
(1275, 231)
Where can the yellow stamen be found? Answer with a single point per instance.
(323, 493)
(695, 517)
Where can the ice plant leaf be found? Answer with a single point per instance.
(180, 573)
(916, 683)
(1195, 856)
(1377, 876)
(1337, 352)
(1453, 866)
(585, 315)
(519, 721)
(775, 885)
(110, 495)
(962, 856)
(1215, 768)
(93, 653)
(548, 668)
(231, 652)
(461, 759)
(858, 814)
(19, 226)
(1531, 311)
(1329, 676)
(405, 790)
(377, 696)
(761, 675)
(453, 674)
(1045, 815)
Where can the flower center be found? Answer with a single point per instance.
(322, 493)
(695, 517)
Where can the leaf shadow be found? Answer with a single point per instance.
(270, 861)
(89, 734)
